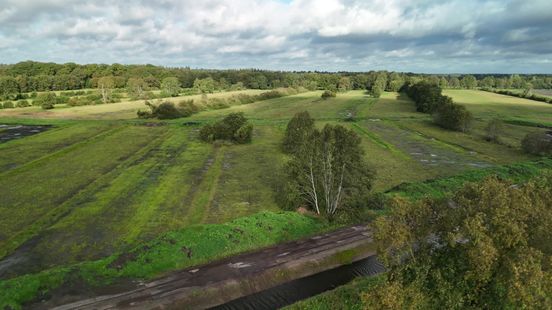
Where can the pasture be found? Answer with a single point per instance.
(102, 181)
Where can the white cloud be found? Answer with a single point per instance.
(301, 34)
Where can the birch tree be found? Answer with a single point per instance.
(105, 84)
(327, 171)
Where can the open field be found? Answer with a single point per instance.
(111, 111)
(101, 181)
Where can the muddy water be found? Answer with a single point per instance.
(11, 132)
(296, 290)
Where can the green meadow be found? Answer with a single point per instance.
(101, 181)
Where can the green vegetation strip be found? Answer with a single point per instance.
(377, 140)
(438, 188)
(346, 297)
(171, 251)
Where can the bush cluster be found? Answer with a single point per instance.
(447, 114)
(186, 108)
(327, 94)
(234, 127)
(519, 94)
(538, 143)
(90, 99)
(453, 116)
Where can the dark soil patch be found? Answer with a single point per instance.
(12, 132)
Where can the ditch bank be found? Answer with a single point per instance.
(230, 279)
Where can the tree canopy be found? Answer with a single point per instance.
(489, 246)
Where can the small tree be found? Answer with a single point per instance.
(494, 130)
(327, 94)
(329, 172)
(453, 116)
(299, 128)
(46, 101)
(136, 88)
(106, 84)
(170, 86)
(538, 143)
(233, 127)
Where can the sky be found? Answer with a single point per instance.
(428, 36)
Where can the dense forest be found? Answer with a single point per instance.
(30, 76)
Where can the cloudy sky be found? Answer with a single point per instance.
(435, 36)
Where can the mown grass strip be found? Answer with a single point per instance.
(379, 141)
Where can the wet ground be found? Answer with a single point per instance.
(426, 150)
(12, 132)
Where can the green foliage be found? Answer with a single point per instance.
(171, 251)
(233, 127)
(453, 116)
(328, 171)
(46, 101)
(136, 88)
(494, 130)
(164, 110)
(427, 97)
(441, 187)
(188, 107)
(244, 134)
(170, 86)
(469, 82)
(488, 246)
(328, 94)
(298, 130)
(538, 143)
(8, 105)
(22, 103)
(206, 85)
(9, 88)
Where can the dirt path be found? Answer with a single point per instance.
(174, 290)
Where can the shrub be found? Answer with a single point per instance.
(218, 103)
(22, 104)
(453, 116)
(538, 143)
(207, 133)
(46, 101)
(166, 110)
(1, 105)
(328, 94)
(244, 134)
(187, 107)
(377, 201)
(8, 105)
(233, 127)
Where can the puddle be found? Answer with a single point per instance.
(12, 132)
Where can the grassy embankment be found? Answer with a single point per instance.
(171, 251)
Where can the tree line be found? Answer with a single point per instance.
(447, 114)
(30, 76)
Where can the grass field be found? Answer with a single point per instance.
(101, 181)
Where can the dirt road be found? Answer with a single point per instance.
(215, 283)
